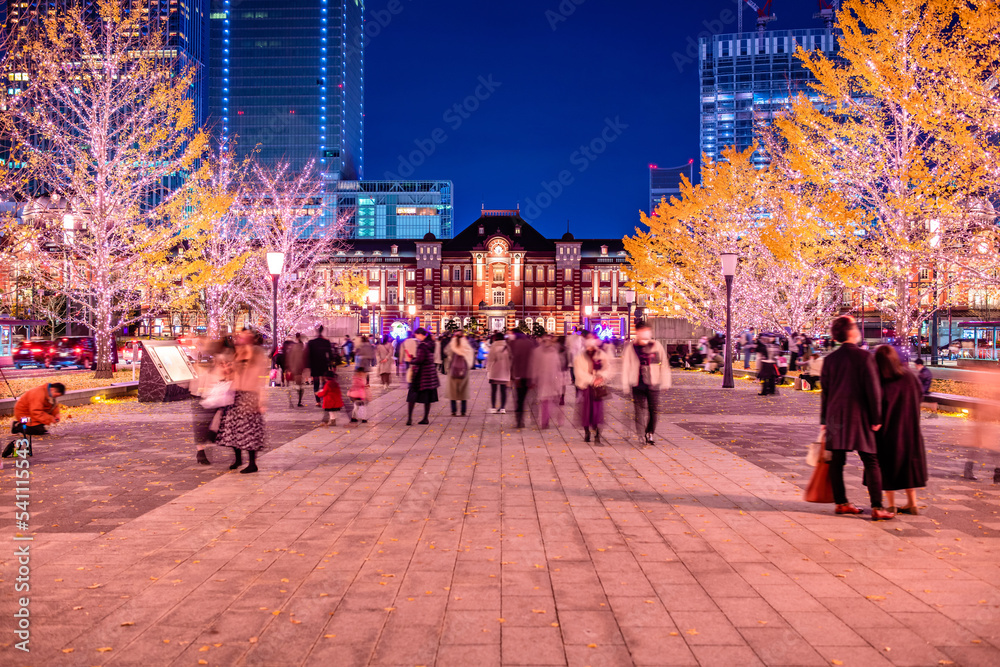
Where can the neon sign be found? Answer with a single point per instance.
(399, 330)
(603, 332)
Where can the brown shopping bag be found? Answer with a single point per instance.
(820, 490)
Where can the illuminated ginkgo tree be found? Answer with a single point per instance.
(103, 119)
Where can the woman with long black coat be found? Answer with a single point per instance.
(424, 381)
(901, 454)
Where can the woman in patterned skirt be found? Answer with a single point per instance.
(243, 425)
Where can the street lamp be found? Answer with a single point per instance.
(412, 310)
(729, 260)
(587, 310)
(275, 262)
(630, 300)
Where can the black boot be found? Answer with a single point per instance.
(427, 411)
(586, 435)
(996, 475)
(252, 466)
(239, 459)
(597, 437)
(968, 473)
(409, 413)
(202, 457)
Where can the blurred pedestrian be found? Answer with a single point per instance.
(498, 373)
(384, 360)
(459, 358)
(242, 426)
(347, 350)
(333, 399)
(319, 354)
(521, 349)
(212, 389)
(767, 365)
(925, 376)
(901, 454)
(645, 373)
(364, 355)
(591, 368)
(851, 414)
(295, 368)
(813, 369)
(548, 371)
(359, 395)
(423, 377)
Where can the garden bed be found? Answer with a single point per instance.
(72, 381)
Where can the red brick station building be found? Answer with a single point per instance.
(500, 271)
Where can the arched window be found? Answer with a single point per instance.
(550, 325)
(528, 321)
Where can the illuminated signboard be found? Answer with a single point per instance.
(416, 210)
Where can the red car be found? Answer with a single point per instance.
(34, 354)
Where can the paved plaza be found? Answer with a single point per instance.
(468, 542)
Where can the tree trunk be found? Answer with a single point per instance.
(104, 336)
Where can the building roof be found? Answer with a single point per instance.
(506, 222)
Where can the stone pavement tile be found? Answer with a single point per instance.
(659, 573)
(685, 597)
(905, 646)
(590, 627)
(640, 612)
(468, 655)
(936, 629)
(474, 597)
(529, 610)
(973, 655)
(726, 656)
(725, 584)
(611, 655)
(706, 627)
(471, 627)
(788, 597)
(781, 646)
(751, 613)
(859, 613)
(626, 582)
(824, 585)
(531, 646)
(823, 628)
(525, 582)
(855, 656)
(403, 644)
(650, 646)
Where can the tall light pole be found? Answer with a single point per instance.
(372, 301)
(588, 309)
(729, 260)
(630, 300)
(412, 310)
(275, 262)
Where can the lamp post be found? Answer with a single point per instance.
(729, 260)
(588, 309)
(630, 300)
(275, 262)
(412, 310)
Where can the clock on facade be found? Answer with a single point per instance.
(498, 248)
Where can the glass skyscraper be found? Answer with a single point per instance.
(750, 76)
(287, 79)
(666, 182)
(392, 209)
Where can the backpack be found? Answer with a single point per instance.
(459, 367)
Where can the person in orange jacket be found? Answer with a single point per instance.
(333, 401)
(40, 407)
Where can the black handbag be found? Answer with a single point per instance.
(600, 392)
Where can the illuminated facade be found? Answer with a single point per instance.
(500, 271)
(750, 76)
(392, 209)
(287, 78)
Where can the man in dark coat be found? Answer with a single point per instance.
(425, 381)
(319, 353)
(851, 413)
(521, 348)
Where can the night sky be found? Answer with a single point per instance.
(617, 67)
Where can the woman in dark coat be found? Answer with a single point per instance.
(901, 454)
(424, 383)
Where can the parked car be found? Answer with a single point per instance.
(126, 352)
(75, 351)
(34, 354)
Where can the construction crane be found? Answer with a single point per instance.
(763, 18)
(827, 12)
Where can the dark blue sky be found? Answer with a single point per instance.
(615, 67)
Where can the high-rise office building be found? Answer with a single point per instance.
(391, 209)
(750, 76)
(287, 79)
(666, 182)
